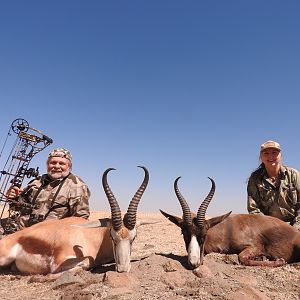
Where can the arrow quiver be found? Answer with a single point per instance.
(28, 143)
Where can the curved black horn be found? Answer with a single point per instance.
(130, 216)
(116, 216)
(187, 217)
(203, 207)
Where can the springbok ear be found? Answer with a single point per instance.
(141, 223)
(176, 220)
(216, 220)
(106, 222)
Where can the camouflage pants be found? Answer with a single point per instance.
(17, 222)
(10, 225)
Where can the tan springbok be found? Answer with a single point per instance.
(54, 246)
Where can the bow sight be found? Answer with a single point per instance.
(29, 142)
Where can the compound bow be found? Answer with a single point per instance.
(29, 142)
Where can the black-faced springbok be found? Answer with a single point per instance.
(257, 239)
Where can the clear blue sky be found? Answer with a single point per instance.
(185, 88)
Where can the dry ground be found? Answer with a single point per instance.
(159, 271)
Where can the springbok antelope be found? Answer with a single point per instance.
(55, 246)
(258, 240)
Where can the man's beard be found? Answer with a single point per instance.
(58, 174)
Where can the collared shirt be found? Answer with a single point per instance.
(280, 200)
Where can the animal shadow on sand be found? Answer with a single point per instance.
(181, 259)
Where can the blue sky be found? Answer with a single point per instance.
(185, 88)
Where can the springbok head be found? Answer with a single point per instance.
(122, 230)
(194, 228)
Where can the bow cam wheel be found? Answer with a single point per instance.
(19, 125)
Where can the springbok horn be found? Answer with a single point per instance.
(116, 217)
(203, 207)
(187, 217)
(130, 216)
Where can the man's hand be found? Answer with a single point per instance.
(13, 192)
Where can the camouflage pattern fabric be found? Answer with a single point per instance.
(61, 152)
(72, 199)
(282, 202)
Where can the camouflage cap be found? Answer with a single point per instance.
(270, 144)
(61, 152)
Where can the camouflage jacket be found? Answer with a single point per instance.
(56, 199)
(282, 202)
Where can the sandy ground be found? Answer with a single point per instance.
(159, 271)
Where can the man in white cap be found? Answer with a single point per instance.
(274, 189)
(55, 195)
